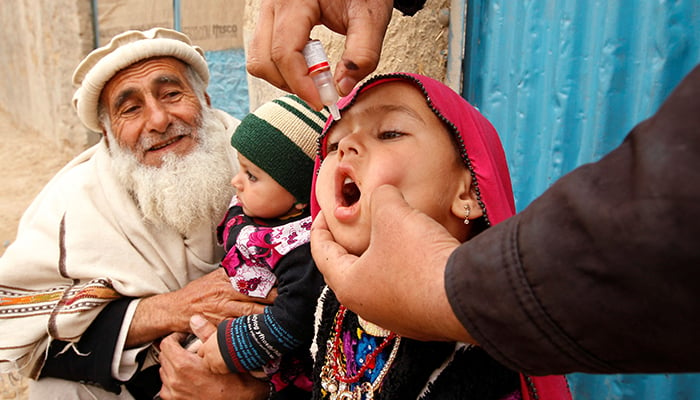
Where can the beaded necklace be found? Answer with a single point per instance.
(333, 378)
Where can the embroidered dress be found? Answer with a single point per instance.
(254, 249)
(357, 363)
(262, 253)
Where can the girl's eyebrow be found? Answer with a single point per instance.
(380, 109)
(387, 108)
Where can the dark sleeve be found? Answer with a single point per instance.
(409, 7)
(602, 272)
(248, 343)
(97, 347)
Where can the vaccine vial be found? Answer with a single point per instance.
(320, 72)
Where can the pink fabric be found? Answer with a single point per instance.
(251, 259)
(552, 387)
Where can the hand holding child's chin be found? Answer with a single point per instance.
(408, 252)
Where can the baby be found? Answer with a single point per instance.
(266, 236)
(418, 135)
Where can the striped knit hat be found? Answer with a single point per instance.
(280, 138)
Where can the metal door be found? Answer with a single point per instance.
(563, 81)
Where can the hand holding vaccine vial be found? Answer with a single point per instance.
(320, 72)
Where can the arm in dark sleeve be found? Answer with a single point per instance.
(602, 272)
(248, 343)
(409, 7)
(96, 346)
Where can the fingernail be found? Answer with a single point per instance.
(346, 85)
(197, 321)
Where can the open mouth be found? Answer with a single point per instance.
(350, 193)
(165, 144)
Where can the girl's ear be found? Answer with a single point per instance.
(465, 204)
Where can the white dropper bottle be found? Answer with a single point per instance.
(320, 72)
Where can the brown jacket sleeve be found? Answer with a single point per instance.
(602, 272)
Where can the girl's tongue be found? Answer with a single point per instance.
(350, 192)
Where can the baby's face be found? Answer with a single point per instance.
(259, 194)
(389, 136)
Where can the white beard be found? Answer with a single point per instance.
(185, 191)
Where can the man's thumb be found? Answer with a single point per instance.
(201, 327)
(388, 205)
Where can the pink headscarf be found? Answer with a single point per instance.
(479, 145)
(482, 153)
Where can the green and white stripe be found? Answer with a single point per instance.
(280, 138)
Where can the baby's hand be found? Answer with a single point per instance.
(209, 349)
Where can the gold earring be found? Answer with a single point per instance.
(467, 211)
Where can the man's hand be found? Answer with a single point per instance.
(185, 376)
(284, 27)
(398, 283)
(209, 349)
(212, 296)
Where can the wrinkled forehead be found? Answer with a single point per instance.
(155, 70)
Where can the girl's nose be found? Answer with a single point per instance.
(350, 144)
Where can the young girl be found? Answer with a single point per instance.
(412, 132)
(266, 236)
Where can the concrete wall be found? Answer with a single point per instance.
(43, 41)
(412, 44)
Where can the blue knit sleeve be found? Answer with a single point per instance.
(249, 342)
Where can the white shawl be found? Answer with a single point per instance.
(80, 244)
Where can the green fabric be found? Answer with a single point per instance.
(277, 155)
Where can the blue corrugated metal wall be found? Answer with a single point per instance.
(563, 81)
(228, 84)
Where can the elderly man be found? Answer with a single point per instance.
(118, 249)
